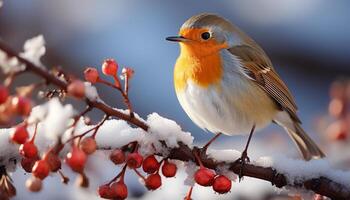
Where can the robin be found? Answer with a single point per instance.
(227, 84)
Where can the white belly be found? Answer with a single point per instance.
(232, 107)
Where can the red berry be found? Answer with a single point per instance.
(88, 145)
(169, 169)
(110, 67)
(150, 164)
(134, 160)
(4, 93)
(91, 75)
(105, 192)
(28, 150)
(34, 184)
(117, 156)
(28, 163)
(204, 177)
(341, 136)
(22, 105)
(76, 89)
(119, 190)
(222, 184)
(128, 72)
(153, 181)
(41, 169)
(53, 160)
(76, 159)
(20, 134)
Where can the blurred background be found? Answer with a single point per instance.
(308, 42)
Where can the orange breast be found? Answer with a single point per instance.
(192, 65)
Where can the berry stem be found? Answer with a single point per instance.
(120, 175)
(198, 160)
(140, 175)
(189, 194)
(64, 178)
(35, 132)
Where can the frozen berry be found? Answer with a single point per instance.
(34, 184)
(22, 105)
(28, 150)
(88, 145)
(119, 190)
(222, 184)
(76, 89)
(53, 160)
(20, 134)
(76, 159)
(134, 160)
(169, 169)
(204, 177)
(110, 67)
(153, 181)
(117, 156)
(41, 169)
(150, 164)
(91, 75)
(4, 93)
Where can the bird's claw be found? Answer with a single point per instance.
(242, 161)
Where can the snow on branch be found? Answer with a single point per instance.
(155, 135)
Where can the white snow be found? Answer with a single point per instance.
(8, 151)
(168, 131)
(190, 170)
(53, 116)
(300, 170)
(10, 64)
(227, 155)
(91, 92)
(117, 133)
(34, 49)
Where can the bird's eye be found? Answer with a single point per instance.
(205, 35)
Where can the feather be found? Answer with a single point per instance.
(258, 68)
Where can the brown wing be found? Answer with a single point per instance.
(258, 68)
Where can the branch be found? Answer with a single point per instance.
(321, 185)
(50, 78)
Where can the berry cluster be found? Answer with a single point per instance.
(41, 164)
(208, 178)
(117, 189)
(14, 105)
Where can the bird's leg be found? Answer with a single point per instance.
(205, 147)
(244, 157)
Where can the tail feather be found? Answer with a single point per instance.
(306, 145)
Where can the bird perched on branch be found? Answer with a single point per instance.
(226, 84)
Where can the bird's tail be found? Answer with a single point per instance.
(306, 145)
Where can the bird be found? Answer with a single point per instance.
(226, 84)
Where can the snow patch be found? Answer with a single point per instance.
(53, 117)
(300, 170)
(91, 92)
(117, 133)
(8, 150)
(34, 49)
(10, 64)
(227, 155)
(167, 130)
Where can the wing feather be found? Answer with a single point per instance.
(259, 69)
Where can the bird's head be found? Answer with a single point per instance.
(205, 34)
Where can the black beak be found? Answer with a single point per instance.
(176, 39)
